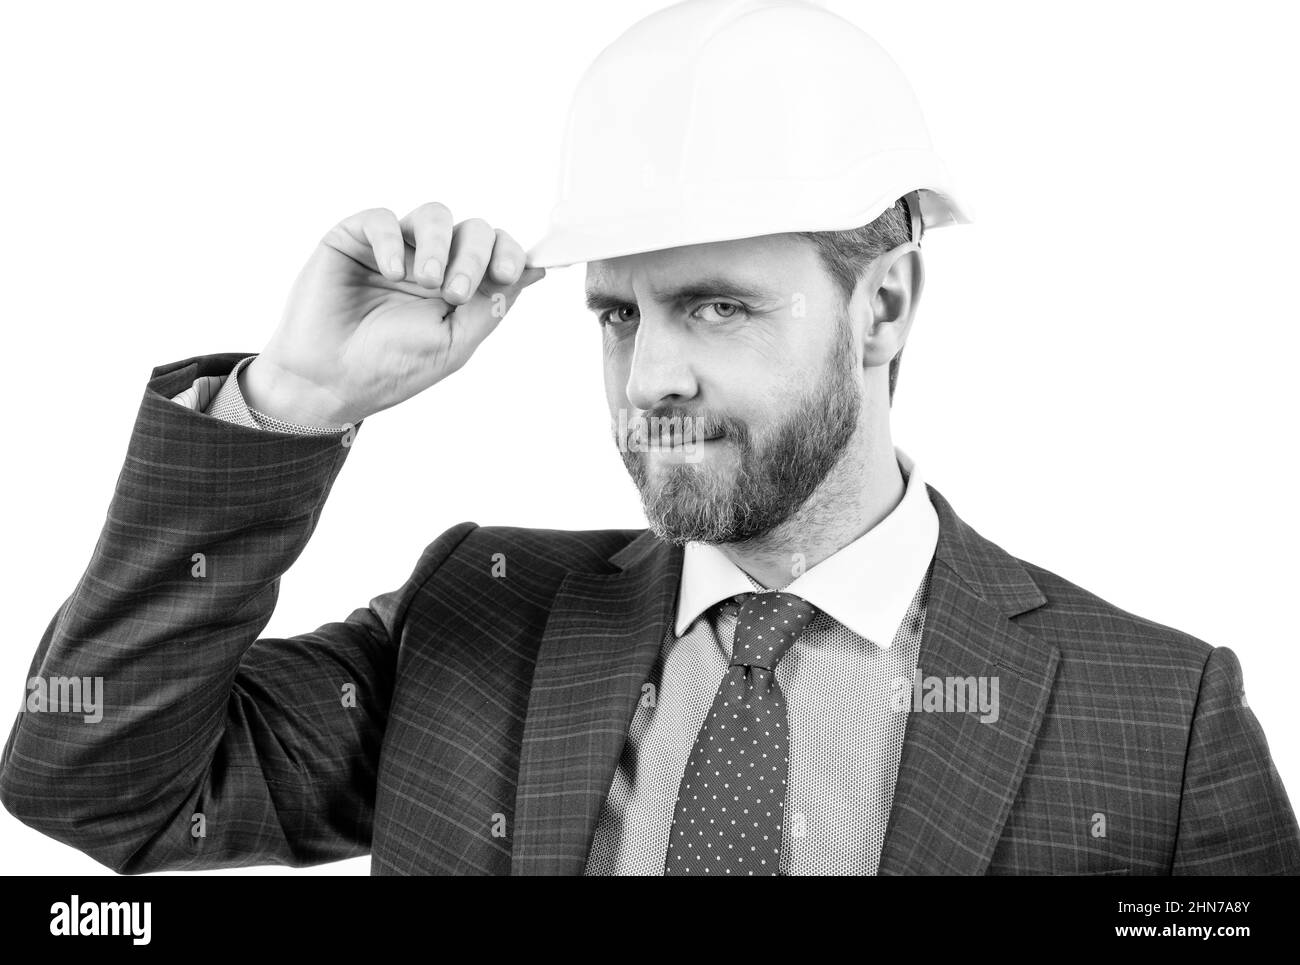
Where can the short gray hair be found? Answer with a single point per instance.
(846, 255)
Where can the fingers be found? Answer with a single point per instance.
(428, 229)
(507, 260)
(471, 251)
(381, 229)
(456, 259)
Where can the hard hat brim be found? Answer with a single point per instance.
(734, 210)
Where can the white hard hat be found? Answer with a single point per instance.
(713, 120)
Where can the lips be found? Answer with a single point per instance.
(668, 433)
(667, 440)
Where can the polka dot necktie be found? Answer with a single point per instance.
(731, 801)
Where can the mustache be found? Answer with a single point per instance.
(668, 426)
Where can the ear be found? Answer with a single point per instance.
(884, 303)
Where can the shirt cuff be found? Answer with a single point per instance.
(219, 396)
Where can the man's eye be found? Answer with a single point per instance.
(617, 316)
(722, 311)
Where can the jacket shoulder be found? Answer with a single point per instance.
(1084, 627)
(587, 550)
(1080, 622)
(541, 557)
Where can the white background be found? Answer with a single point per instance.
(1100, 379)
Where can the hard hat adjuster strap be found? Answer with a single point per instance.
(913, 200)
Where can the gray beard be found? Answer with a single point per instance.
(774, 479)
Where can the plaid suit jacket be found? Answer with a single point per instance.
(465, 723)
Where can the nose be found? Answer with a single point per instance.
(661, 367)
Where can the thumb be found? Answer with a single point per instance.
(527, 277)
(479, 317)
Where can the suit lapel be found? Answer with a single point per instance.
(601, 640)
(958, 776)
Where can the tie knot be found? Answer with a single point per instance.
(766, 626)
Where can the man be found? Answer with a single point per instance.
(808, 663)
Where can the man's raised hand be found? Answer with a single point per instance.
(383, 309)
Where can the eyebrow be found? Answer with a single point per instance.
(711, 286)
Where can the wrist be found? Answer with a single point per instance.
(282, 395)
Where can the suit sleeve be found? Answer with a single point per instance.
(1235, 817)
(209, 747)
(221, 397)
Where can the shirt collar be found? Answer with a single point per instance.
(867, 586)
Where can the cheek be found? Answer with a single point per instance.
(616, 376)
(763, 378)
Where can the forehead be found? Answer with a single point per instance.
(768, 263)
